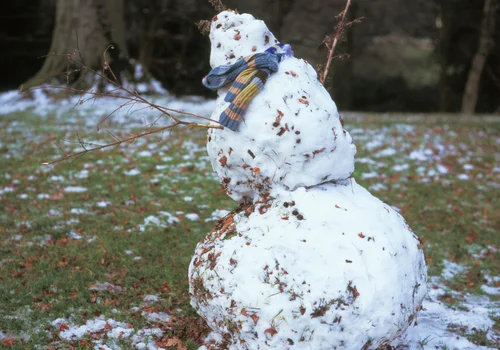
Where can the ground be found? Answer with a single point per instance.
(94, 253)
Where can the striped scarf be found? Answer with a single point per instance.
(248, 76)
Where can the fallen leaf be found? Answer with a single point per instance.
(255, 318)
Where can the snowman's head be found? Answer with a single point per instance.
(234, 36)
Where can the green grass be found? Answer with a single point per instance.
(456, 219)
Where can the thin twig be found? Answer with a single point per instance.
(132, 97)
(100, 147)
(338, 33)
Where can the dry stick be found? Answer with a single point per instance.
(132, 99)
(129, 139)
(338, 33)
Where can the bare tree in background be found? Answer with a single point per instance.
(485, 45)
(83, 30)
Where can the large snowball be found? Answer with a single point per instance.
(324, 268)
(291, 135)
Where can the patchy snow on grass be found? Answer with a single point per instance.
(151, 298)
(83, 174)
(57, 178)
(102, 330)
(370, 175)
(132, 172)
(192, 216)
(442, 169)
(106, 286)
(151, 221)
(388, 152)
(437, 323)
(79, 211)
(75, 189)
(85, 111)
(451, 269)
(6, 190)
(74, 235)
(156, 317)
(490, 290)
(171, 219)
(144, 154)
(378, 187)
(400, 167)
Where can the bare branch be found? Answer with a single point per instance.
(131, 97)
(338, 34)
(218, 5)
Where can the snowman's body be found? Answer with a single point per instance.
(311, 260)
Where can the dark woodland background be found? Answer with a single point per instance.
(404, 55)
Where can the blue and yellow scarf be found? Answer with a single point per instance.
(248, 76)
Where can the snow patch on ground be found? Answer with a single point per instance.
(451, 269)
(75, 189)
(106, 286)
(192, 216)
(437, 322)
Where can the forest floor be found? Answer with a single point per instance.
(94, 253)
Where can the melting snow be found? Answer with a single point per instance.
(436, 322)
(75, 189)
(400, 167)
(192, 216)
(451, 269)
(490, 290)
(79, 211)
(132, 172)
(106, 286)
(103, 204)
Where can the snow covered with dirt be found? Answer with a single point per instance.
(313, 259)
(308, 271)
(291, 135)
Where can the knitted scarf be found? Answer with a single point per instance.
(248, 76)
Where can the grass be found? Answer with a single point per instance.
(47, 273)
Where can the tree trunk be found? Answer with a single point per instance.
(83, 30)
(470, 96)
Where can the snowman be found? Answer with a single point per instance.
(309, 259)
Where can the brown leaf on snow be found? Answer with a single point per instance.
(255, 318)
(302, 309)
(223, 160)
(271, 331)
(63, 327)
